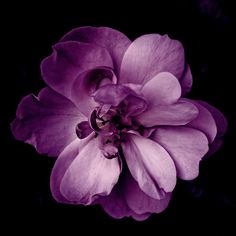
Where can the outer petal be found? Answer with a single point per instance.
(47, 122)
(150, 165)
(68, 61)
(164, 88)
(204, 121)
(90, 175)
(186, 146)
(114, 41)
(140, 203)
(149, 55)
(186, 80)
(179, 113)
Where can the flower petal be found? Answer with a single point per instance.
(149, 55)
(90, 175)
(164, 88)
(47, 122)
(86, 84)
(179, 113)
(68, 61)
(150, 165)
(186, 81)
(113, 40)
(140, 203)
(185, 145)
(204, 121)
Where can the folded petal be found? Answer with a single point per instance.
(164, 88)
(186, 80)
(204, 121)
(150, 165)
(149, 55)
(179, 113)
(90, 175)
(86, 84)
(185, 145)
(47, 122)
(68, 61)
(114, 41)
(141, 203)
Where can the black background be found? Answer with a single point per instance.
(205, 28)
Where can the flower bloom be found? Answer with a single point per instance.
(113, 112)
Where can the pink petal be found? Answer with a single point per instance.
(90, 175)
(149, 55)
(114, 41)
(204, 121)
(179, 113)
(186, 81)
(141, 203)
(86, 84)
(150, 165)
(185, 145)
(68, 61)
(164, 88)
(47, 122)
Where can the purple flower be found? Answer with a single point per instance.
(114, 114)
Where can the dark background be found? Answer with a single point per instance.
(206, 29)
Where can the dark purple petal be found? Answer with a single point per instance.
(47, 122)
(68, 61)
(114, 41)
(89, 175)
(204, 121)
(185, 145)
(141, 203)
(150, 165)
(86, 84)
(179, 113)
(149, 55)
(164, 88)
(186, 81)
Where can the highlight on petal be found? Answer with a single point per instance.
(164, 88)
(47, 122)
(149, 55)
(186, 147)
(114, 41)
(150, 165)
(204, 121)
(179, 113)
(89, 175)
(68, 61)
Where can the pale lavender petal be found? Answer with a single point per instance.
(114, 41)
(186, 81)
(86, 84)
(90, 175)
(150, 165)
(185, 145)
(204, 121)
(164, 88)
(149, 55)
(47, 122)
(141, 203)
(68, 61)
(179, 113)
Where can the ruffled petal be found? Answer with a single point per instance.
(47, 122)
(179, 113)
(186, 81)
(68, 61)
(114, 41)
(141, 203)
(185, 145)
(149, 55)
(204, 121)
(164, 88)
(90, 175)
(150, 165)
